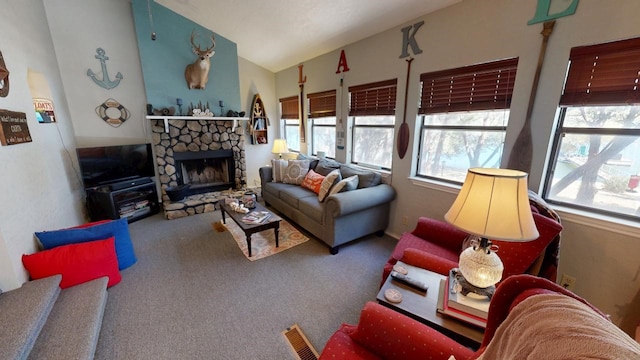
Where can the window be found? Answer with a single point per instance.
(322, 112)
(464, 114)
(373, 107)
(595, 164)
(290, 116)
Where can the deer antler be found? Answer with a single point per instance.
(213, 40)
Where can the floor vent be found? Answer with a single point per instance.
(299, 343)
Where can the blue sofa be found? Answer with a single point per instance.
(341, 217)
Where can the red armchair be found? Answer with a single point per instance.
(385, 334)
(436, 245)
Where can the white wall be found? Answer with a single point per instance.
(258, 80)
(603, 257)
(41, 188)
(114, 31)
(78, 28)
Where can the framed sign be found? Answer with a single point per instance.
(13, 128)
(44, 110)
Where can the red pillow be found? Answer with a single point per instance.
(77, 263)
(312, 181)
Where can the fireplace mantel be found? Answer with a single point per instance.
(166, 118)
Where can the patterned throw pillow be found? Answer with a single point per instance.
(296, 171)
(312, 181)
(328, 182)
(279, 169)
(348, 184)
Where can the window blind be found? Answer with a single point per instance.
(603, 74)
(484, 86)
(377, 98)
(322, 104)
(289, 107)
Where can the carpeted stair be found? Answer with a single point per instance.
(41, 321)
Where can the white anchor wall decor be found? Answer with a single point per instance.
(105, 82)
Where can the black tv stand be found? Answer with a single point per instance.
(129, 182)
(132, 199)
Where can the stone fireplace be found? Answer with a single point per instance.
(207, 154)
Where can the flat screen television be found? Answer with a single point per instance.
(109, 164)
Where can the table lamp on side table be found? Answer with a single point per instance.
(280, 147)
(492, 204)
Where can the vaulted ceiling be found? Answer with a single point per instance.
(279, 34)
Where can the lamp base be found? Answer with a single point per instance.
(466, 287)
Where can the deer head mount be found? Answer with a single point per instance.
(197, 73)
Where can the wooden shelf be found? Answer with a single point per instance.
(187, 118)
(258, 122)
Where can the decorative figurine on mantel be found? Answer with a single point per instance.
(203, 113)
(200, 110)
(170, 111)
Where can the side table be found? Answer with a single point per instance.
(423, 307)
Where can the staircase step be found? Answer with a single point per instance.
(23, 313)
(73, 327)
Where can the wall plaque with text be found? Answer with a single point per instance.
(13, 128)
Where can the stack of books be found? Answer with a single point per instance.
(256, 217)
(471, 308)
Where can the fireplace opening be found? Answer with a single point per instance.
(205, 171)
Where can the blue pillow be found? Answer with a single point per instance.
(101, 230)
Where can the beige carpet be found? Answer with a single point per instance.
(263, 244)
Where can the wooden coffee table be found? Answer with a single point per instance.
(423, 307)
(273, 222)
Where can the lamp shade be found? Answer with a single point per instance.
(280, 146)
(494, 204)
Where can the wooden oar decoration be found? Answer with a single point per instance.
(403, 135)
(301, 81)
(522, 152)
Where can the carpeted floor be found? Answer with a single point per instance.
(193, 295)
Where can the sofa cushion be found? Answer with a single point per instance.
(77, 263)
(274, 188)
(291, 194)
(325, 166)
(427, 260)
(366, 178)
(331, 179)
(311, 207)
(296, 171)
(279, 169)
(348, 184)
(94, 231)
(312, 181)
(410, 241)
(342, 346)
(313, 161)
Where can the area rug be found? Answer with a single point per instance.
(263, 244)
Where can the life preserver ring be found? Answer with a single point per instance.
(102, 109)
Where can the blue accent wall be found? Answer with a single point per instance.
(164, 60)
